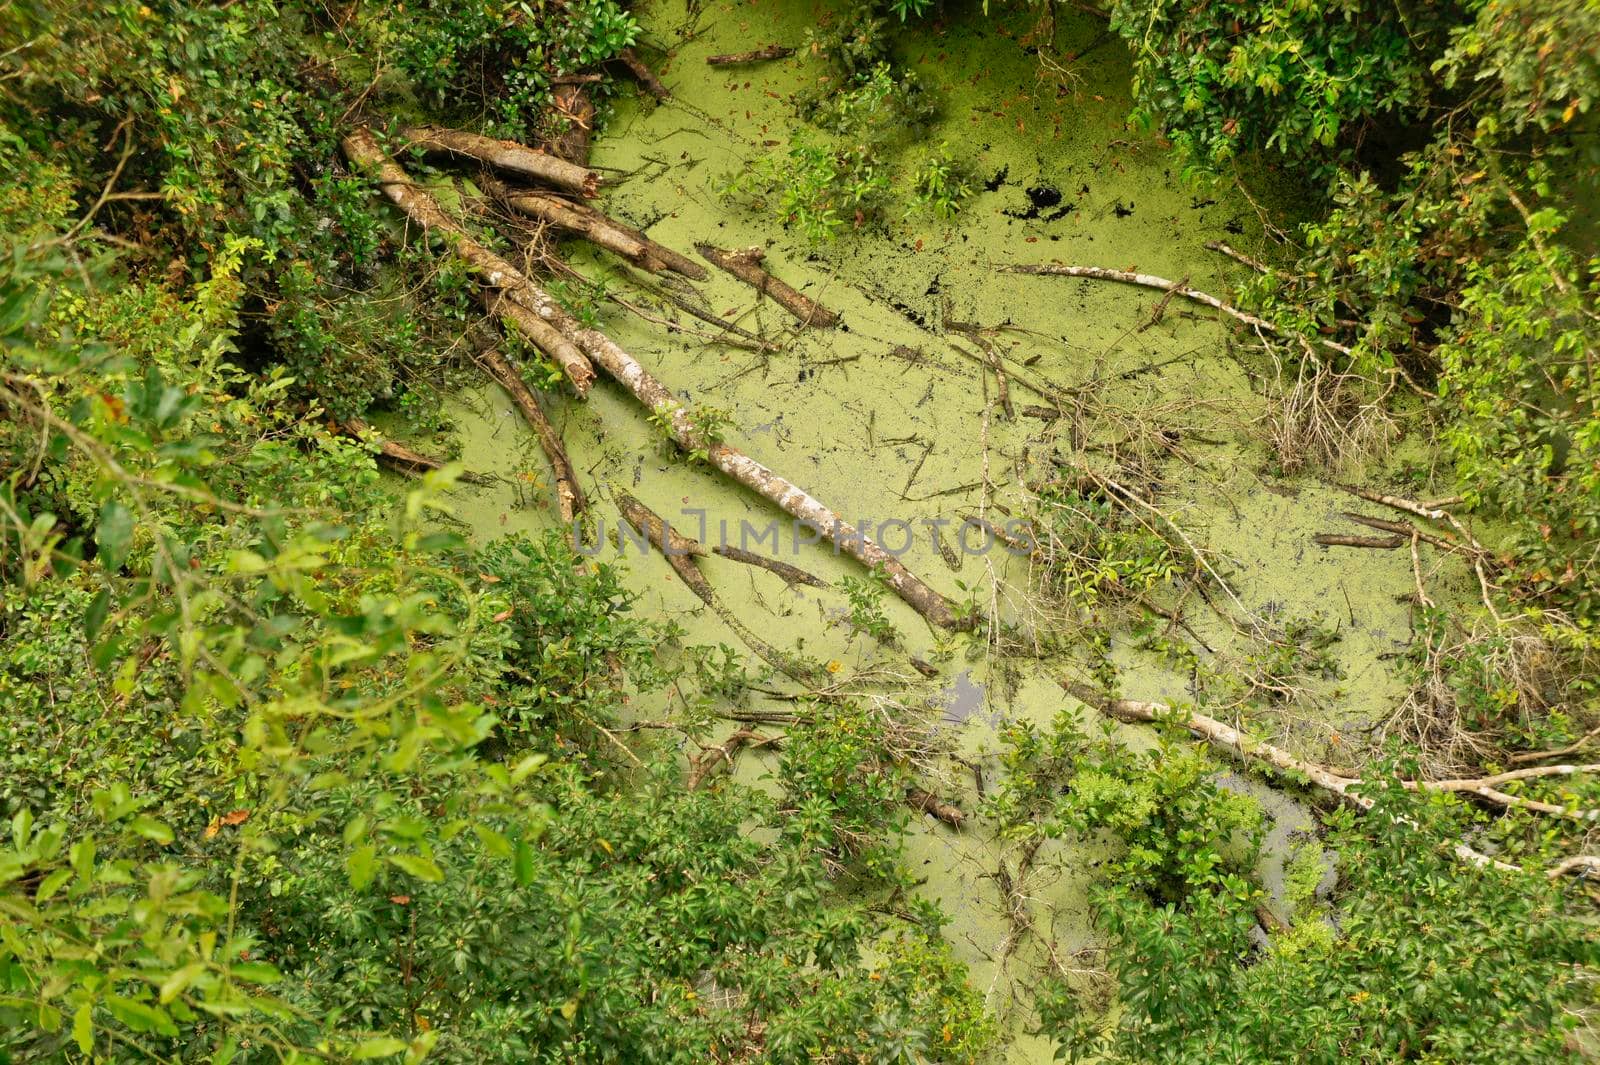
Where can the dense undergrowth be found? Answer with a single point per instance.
(291, 775)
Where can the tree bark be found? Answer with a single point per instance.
(789, 497)
(790, 574)
(569, 494)
(745, 266)
(508, 156)
(508, 287)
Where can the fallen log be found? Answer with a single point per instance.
(1241, 746)
(791, 574)
(1342, 540)
(646, 77)
(759, 55)
(1128, 277)
(789, 497)
(398, 455)
(569, 494)
(596, 228)
(927, 802)
(745, 265)
(661, 534)
(498, 275)
(722, 754)
(506, 155)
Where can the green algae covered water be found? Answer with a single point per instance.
(891, 418)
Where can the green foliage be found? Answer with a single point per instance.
(867, 615)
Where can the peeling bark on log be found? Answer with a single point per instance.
(1237, 743)
(789, 497)
(595, 227)
(400, 456)
(501, 278)
(790, 574)
(1127, 277)
(644, 74)
(508, 156)
(759, 55)
(569, 494)
(745, 265)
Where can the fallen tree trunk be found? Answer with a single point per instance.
(1127, 277)
(1382, 543)
(498, 275)
(661, 534)
(569, 494)
(759, 55)
(398, 455)
(598, 229)
(745, 265)
(927, 802)
(508, 156)
(647, 77)
(790, 574)
(1241, 746)
(789, 497)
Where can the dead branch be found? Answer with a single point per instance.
(596, 228)
(1238, 256)
(1151, 281)
(569, 494)
(789, 497)
(1539, 756)
(722, 754)
(506, 155)
(644, 74)
(759, 55)
(1343, 540)
(401, 457)
(745, 265)
(929, 803)
(662, 535)
(790, 574)
(361, 147)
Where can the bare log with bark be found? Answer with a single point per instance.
(596, 228)
(1236, 743)
(541, 324)
(1128, 277)
(646, 77)
(509, 156)
(789, 497)
(758, 55)
(570, 499)
(661, 534)
(395, 453)
(746, 266)
(790, 574)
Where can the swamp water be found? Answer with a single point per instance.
(885, 418)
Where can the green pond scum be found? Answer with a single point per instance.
(1217, 382)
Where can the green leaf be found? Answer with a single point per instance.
(522, 863)
(83, 1027)
(140, 1016)
(114, 534)
(361, 865)
(380, 1047)
(95, 617)
(418, 866)
(51, 884)
(151, 829)
(257, 972)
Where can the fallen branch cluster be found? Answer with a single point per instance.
(1346, 788)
